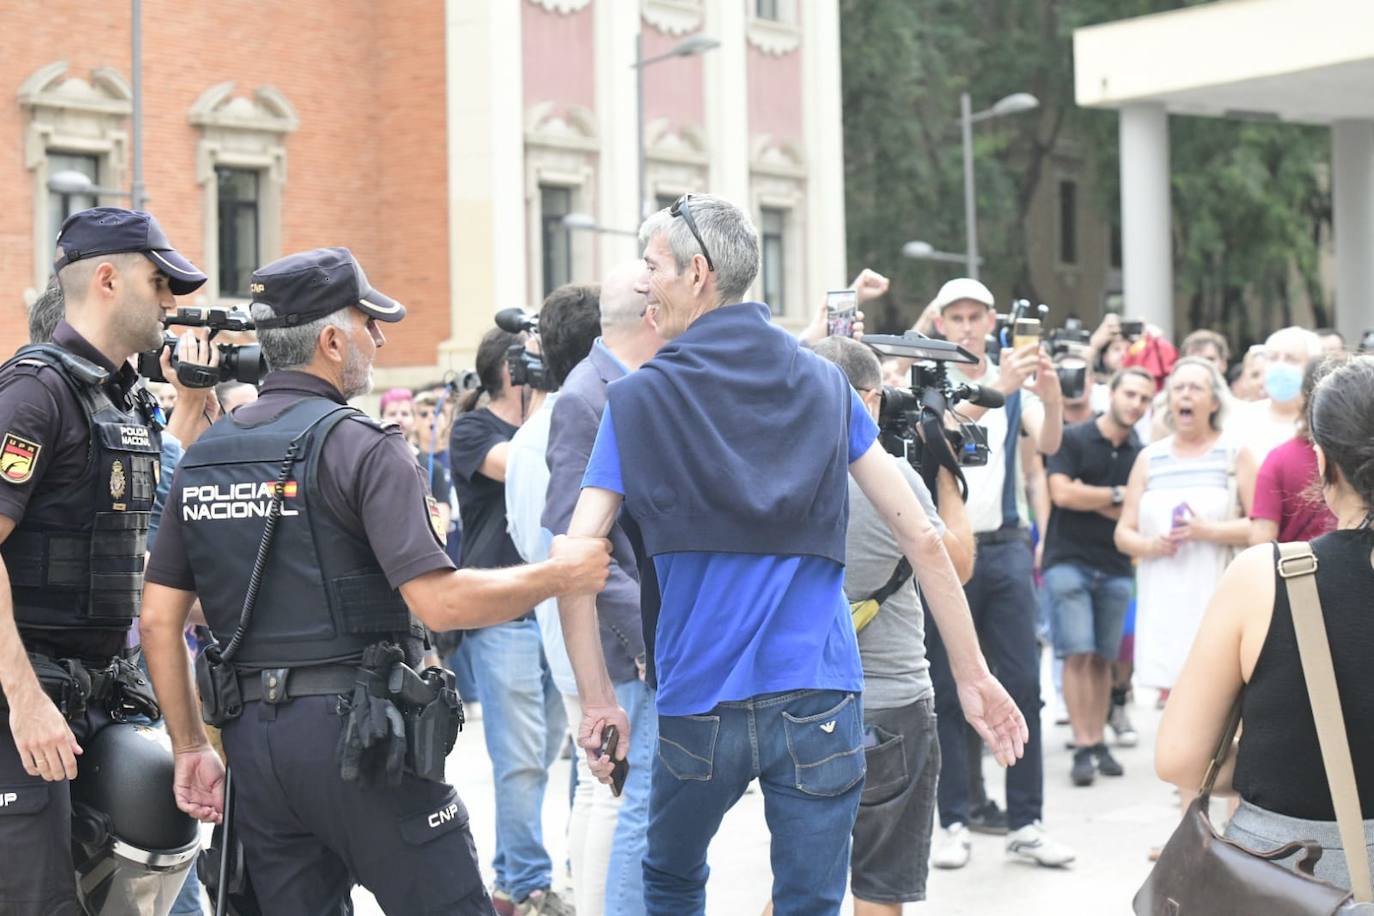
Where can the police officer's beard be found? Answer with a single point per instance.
(357, 374)
(138, 323)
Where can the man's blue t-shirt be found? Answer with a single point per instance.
(737, 625)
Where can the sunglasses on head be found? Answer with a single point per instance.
(681, 207)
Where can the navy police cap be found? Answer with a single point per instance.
(311, 284)
(113, 230)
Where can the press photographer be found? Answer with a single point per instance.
(1001, 593)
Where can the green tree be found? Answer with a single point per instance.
(1249, 201)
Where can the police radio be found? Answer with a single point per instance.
(237, 362)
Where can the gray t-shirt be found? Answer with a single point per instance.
(893, 646)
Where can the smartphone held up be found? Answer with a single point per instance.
(841, 311)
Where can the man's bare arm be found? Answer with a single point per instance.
(986, 704)
(459, 599)
(595, 514)
(162, 622)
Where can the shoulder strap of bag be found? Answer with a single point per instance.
(1228, 736)
(1298, 566)
(900, 574)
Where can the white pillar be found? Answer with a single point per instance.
(617, 22)
(1146, 252)
(1352, 198)
(484, 103)
(822, 116)
(727, 101)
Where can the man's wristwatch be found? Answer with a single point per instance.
(1118, 496)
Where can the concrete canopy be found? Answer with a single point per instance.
(1307, 61)
(1301, 61)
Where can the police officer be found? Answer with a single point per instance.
(79, 449)
(328, 784)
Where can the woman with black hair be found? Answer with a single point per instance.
(522, 711)
(1247, 643)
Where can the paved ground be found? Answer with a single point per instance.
(1111, 825)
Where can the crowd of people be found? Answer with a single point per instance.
(683, 545)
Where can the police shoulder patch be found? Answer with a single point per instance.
(436, 521)
(18, 458)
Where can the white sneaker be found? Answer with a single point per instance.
(952, 848)
(1032, 844)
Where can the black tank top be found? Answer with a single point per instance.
(1279, 763)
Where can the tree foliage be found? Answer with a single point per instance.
(1249, 199)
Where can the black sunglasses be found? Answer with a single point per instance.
(680, 208)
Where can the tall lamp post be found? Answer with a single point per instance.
(697, 44)
(1012, 104)
(924, 251)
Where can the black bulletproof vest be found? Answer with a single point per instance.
(75, 561)
(323, 597)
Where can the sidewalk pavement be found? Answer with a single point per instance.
(1111, 825)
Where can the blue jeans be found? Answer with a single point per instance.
(806, 749)
(625, 872)
(1001, 596)
(524, 722)
(1088, 607)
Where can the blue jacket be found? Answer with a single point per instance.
(576, 416)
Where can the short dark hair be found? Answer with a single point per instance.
(858, 363)
(569, 323)
(1137, 371)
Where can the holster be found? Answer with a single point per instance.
(218, 684)
(125, 691)
(432, 728)
(65, 681)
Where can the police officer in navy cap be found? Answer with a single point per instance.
(305, 529)
(79, 445)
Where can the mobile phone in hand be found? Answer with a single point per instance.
(841, 308)
(620, 769)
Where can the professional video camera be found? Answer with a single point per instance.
(526, 368)
(237, 362)
(911, 421)
(1065, 340)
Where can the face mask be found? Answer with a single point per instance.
(1282, 382)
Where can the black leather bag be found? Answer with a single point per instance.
(1200, 872)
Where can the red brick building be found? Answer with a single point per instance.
(441, 140)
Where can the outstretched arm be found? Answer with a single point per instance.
(987, 706)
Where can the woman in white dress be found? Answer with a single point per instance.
(1186, 511)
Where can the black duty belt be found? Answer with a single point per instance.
(1002, 536)
(278, 685)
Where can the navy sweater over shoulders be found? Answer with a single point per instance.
(734, 439)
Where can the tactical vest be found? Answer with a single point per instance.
(323, 597)
(75, 561)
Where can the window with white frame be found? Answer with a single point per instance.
(241, 165)
(773, 239)
(74, 123)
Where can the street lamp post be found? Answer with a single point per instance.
(1011, 104)
(137, 197)
(588, 223)
(697, 44)
(924, 251)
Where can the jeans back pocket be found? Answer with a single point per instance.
(827, 748)
(687, 745)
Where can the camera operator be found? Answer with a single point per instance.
(1001, 593)
(522, 714)
(889, 863)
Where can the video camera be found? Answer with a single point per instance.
(237, 362)
(526, 368)
(912, 420)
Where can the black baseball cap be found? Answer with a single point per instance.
(113, 230)
(311, 284)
